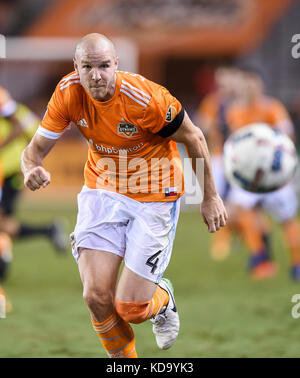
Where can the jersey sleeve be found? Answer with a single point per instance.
(164, 114)
(7, 105)
(56, 119)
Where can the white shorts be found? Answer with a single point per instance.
(282, 204)
(140, 232)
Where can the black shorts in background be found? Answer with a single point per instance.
(12, 187)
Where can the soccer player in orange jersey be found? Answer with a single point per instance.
(254, 106)
(129, 205)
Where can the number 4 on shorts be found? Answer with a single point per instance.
(153, 264)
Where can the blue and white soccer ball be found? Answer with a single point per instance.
(259, 158)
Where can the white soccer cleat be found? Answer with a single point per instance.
(166, 322)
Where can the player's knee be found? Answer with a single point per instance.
(96, 299)
(133, 312)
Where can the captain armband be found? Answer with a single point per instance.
(173, 126)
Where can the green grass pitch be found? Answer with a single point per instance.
(223, 313)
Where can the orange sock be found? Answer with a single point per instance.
(292, 236)
(250, 231)
(158, 301)
(117, 337)
(138, 312)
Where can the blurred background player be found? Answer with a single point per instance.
(17, 126)
(5, 260)
(250, 107)
(212, 116)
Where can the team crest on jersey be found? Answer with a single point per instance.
(128, 129)
(171, 114)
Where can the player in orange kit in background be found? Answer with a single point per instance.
(254, 106)
(212, 115)
(127, 209)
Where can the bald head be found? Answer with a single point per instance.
(94, 42)
(96, 63)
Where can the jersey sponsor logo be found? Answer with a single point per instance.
(171, 114)
(82, 123)
(127, 129)
(112, 150)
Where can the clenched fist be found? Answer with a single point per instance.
(36, 178)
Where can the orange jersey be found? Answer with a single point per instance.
(7, 105)
(267, 110)
(129, 151)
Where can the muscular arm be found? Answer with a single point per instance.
(35, 175)
(212, 208)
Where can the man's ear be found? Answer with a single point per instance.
(75, 65)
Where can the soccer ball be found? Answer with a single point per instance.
(259, 158)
